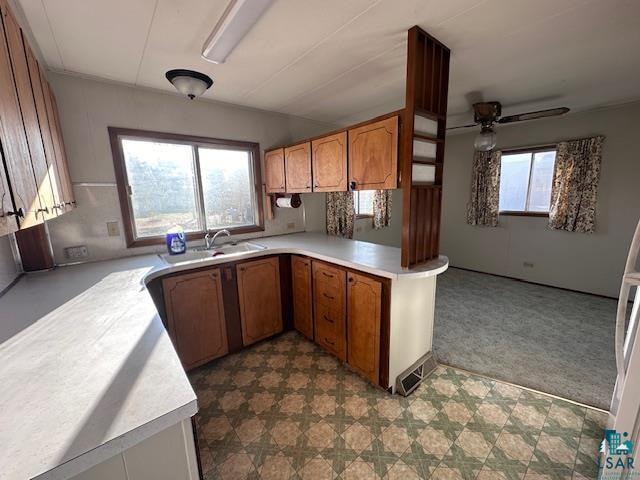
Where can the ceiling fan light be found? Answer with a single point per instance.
(485, 140)
(189, 82)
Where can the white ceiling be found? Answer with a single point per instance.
(344, 60)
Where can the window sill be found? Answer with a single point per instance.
(160, 240)
(361, 216)
(525, 214)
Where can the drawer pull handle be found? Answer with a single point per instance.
(327, 319)
(328, 341)
(329, 296)
(327, 274)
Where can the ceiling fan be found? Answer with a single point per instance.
(486, 114)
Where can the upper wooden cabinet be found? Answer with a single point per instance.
(26, 202)
(364, 304)
(302, 295)
(195, 316)
(329, 156)
(21, 75)
(259, 295)
(373, 155)
(297, 160)
(274, 176)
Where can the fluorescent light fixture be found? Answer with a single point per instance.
(236, 21)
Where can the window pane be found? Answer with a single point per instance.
(363, 200)
(227, 186)
(541, 180)
(514, 181)
(162, 181)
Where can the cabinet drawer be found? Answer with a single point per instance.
(329, 285)
(330, 331)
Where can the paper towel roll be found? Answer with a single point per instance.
(289, 202)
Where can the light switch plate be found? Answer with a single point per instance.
(113, 230)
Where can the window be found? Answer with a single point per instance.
(525, 181)
(199, 184)
(363, 203)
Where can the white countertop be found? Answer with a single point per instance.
(368, 257)
(87, 369)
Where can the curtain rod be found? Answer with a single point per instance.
(530, 147)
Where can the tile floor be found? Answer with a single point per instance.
(285, 409)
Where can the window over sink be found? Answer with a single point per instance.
(166, 180)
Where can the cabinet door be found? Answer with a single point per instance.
(64, 182)
(302, 297)
(43, 120)
(329, 308)
(364, 297)
(195, 316)
(29, 116)
(260, 304)
(274, 178)
(14, 146)
(297, 160)
(329, 158)
(373, 155)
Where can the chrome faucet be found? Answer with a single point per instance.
(210, 241)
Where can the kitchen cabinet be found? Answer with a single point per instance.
(329, 307)
(364, 304)
(15, 148)
(302, 295)
(21, 75)
(259, 297)
(329, 158)
(195, 316)
(274, 171)
(297, 160)
(373, 155)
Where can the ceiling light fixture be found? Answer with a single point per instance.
(191, 83)
(485, 140)
(236, 21)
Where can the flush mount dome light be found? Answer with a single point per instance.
(486, 139)
(191, 83)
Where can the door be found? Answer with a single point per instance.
(373, 155)
(195, 316)
(15, 149)
(329, 158)
(17, 51)
(329, 307)
(364, 297)
(274, 178)
(297, 160)
(302, 296)
(260, 303)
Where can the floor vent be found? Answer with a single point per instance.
(411, 378)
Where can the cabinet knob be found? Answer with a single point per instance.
(352, 185)
(18, 213)
(350, 279)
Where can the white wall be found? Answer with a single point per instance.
(88, 107)
(8, 269)
(586, 262)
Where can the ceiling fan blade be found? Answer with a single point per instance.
(552, 112)
(462, 126)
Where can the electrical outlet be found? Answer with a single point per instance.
(113, 230)
(291, 226)
(527, 265)
(76, 252)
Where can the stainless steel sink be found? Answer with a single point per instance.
(197, 254)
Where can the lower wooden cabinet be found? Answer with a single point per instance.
(329, 307)
(259, 296)
(195, 316)
(302, 295)
(364, 304)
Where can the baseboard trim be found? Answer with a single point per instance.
(536, 283)
(10, 286)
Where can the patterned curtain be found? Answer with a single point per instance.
(381, 209)
(575, 185)
(340, 214)
(485, 189)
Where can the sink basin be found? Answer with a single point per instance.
(196, 254)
